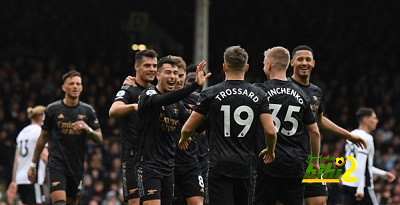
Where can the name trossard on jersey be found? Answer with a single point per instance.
(67, 150)
(128, 124)
(157, 126)
(291, 112)
(234, 109)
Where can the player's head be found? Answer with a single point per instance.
(72, 84)
(276, 58)
(367, 118)
(302, 61)
(235, 60)
(35, 114)
(181, 64)
(167, 74)
(190, 74)
(146, 65)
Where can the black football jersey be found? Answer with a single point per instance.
(291, 112)
(160, 116)
(233, 108)
(315, 94)
(67, 150)
(188, 157)
(128, 124)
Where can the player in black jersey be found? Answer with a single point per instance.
(303, 63)
(235, 109)
(293, 119)
(67, 124)
(189, 184)
(160, 113)
(123, 107)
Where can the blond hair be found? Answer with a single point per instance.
(278, 56)
(35, 112)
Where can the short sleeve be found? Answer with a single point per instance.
(124, 94)
(308, 117)
(47, 119)
(264, 104)
(203, 103)
(93, 122)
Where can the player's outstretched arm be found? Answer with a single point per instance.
(120, 109)
(268, 154)
(388, 175)
(327, 125)
(42, 140)
(315, 139)
(188, 128)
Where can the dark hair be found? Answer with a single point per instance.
(166, 60)
(145, 53)
(363, 112)
(70, 74)
(191, 68)
(302, 47)
(236, 58)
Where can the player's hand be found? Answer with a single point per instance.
(390, 176)
(135, 106)
(200, 78)
(12, 190)
(359, 141)
(267, 155)
(32, 174)
(359, 196)
(184, 143)
(80, 125)
(130, 80)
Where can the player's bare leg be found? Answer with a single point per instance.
(195, 200)
(318, 200)
(134, 201)
(57, 196)
(152, 202)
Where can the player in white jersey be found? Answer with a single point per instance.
(25, 145)
(362, 191)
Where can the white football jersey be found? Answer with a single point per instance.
(26, 143)
(352, 150)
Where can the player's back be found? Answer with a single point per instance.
(26, 143)
(233, 109)
(291, 113)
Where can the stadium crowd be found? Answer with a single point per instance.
(30, 73)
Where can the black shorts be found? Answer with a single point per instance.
(271, 189)
(31, 193)
(315, 190)
(129, 181)
(72, 185)
(188, 181)
(227, 190)
(155, 186)
(349, 198)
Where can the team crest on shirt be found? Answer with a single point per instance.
(151, 92)
(315, 97)
(81, 117)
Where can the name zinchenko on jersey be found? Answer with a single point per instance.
(238, 91)
(288, 91)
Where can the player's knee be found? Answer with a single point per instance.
(62, 202)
